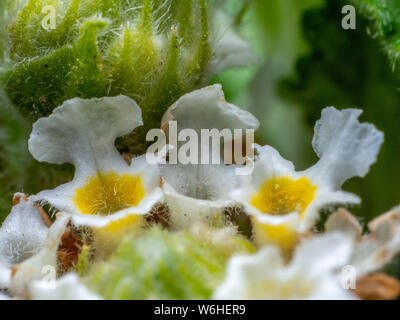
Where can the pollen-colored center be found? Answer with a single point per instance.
(105, 194)
(283, 195)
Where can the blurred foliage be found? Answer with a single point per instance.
(384, 25)
(165, 265)
(345, 68)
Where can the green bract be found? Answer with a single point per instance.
(164, 265)
(153, 51)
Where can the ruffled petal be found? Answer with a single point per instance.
(310, 275)
(207, 109)
(244, 272)
(23, 233)
(5, 276)
(83, 132)
(346, 147)
(329, 252)
(105, 189)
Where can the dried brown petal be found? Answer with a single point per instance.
(68, 251)
(377, 286)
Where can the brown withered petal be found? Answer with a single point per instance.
(159, 215)
(68, 251)
(343, 220)
(377, 286)
(375, 249)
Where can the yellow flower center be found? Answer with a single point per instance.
(284, 195)
(105, 194)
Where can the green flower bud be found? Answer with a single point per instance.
(163, 265)
(151, 50)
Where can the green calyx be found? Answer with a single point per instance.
(153, 51)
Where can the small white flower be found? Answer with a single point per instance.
(312, 273)
(105, 192)
(69, 287)
(284, 202)
(197, 192)
(22, 234)
(374, 250)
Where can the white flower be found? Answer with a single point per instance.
(22, 234)
(105, 192)
(312, 273)
(69, 287)
(284, 202)
(195, 192)
(43, 263)
(378, 247)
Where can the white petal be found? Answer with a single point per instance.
(197, 192)
(69, 287)
(22, 234)
(310, 275)
(327, 252)
(245, 271)
(346, 147)
(207, 109)
(33, 268)
(83, 132)
(5, 276)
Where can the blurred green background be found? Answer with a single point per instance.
(306, 62)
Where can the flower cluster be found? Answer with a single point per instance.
(111, 197)
(125, 228)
